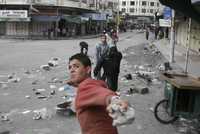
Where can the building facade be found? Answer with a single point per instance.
(139, 9)
(52, 18)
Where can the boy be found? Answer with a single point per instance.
(92, 98)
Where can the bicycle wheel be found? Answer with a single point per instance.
(161, 112)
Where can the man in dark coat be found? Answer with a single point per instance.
(111, 66)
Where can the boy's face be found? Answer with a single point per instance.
(103, 39)
(78, 72)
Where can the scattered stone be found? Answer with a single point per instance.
(35, 82)
(132, 91)
(144, 90)
(27, 72)
(45, 67)
(41, 114)
(40, 90)
(128, 76)
(41, 97)
(53, 92)
(28, 96)
(37, 93)
(52, 86)
(10, 76)
(151, 109)
(26, 112)
(4, 117)
(55, 80)
(14, 80)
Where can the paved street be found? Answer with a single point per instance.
(24, 58)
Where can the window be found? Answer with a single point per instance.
(123, 10)
(132, 3)
(132, 10)
(123, 3)
(143, 10)
(152, 3)
(151, 10)
(158, 4)
(144, 3)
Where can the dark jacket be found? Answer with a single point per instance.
(110, 62)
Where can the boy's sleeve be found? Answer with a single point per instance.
(91, 95)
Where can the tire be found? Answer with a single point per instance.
(163, 104)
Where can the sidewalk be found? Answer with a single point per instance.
(180, 56)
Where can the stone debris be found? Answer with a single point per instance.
(120, 116)
(4, 117)
(28, 96)
(53, 92)
(52, 86)
(26, 112)
(45, 67)
(42, 97)
(42, 114)
(128, 76)
(132, 91)
(14, 80)
(144, 90)
(34, 82)
(55, 80)
(53, 62)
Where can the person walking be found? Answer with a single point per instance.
(147, 33)
(93, 98)
(111, 66)
(102, 49)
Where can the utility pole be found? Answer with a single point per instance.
(188, 46)
(118, 18)
(172, 38)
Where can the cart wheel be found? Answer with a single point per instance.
(161, 112)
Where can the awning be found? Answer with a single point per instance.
(184, 6)
(74, 19)
(16, 19)
(96, 16)
(45, 18)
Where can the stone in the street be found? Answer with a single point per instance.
(132, 91)
(45, 67)
(28, 96)
(128, 76)
(34, 82)
(42, 114)
(53, 92)
(52, 86)
(14, 80)
(144, 90)
(41, 97)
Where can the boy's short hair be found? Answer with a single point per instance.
(84, 59)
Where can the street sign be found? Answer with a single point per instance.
(164, 23)
(167, 13)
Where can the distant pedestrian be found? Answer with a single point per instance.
(111, 66)
(84, 47)
(147, 33)
(102, 49)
